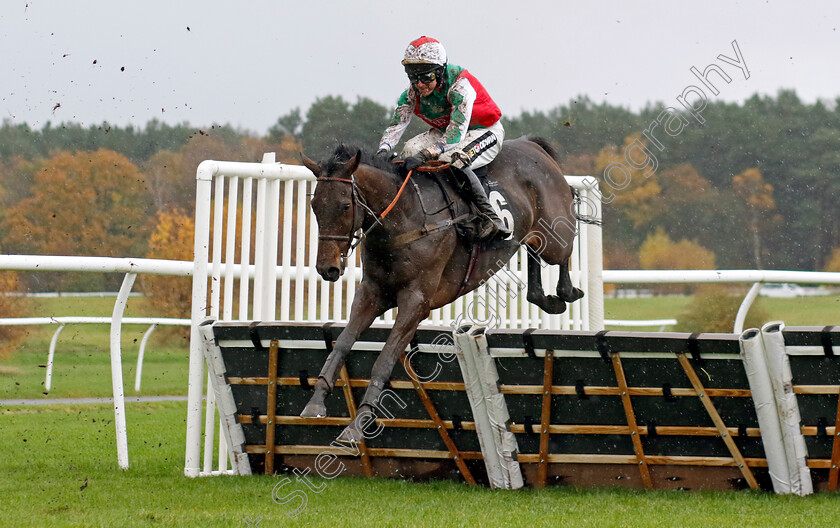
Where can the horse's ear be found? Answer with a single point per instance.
(311, 165)
(352, 164)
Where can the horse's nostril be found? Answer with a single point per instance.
(333, 274)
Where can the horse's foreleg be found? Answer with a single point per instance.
(367, 306)
(549, 303)
(413, 308)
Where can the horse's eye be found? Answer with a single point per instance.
(346, 206)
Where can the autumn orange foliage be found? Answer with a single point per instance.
(834, 260)
(752, 188)
(87, 203)
(637, 195)
(757, 195)
(658, 251)
(172, 239)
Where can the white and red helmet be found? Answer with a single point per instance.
(425, 50)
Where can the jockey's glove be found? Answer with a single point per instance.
(382, 154)
(415, 161)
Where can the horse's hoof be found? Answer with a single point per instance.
(314, 410)
(350, 435)
(552, 304)
(576, 294)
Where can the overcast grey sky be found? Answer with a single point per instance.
(248, 62)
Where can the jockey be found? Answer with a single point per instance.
(466, 127)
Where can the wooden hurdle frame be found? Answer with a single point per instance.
(550, 406)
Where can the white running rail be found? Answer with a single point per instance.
(131, 267)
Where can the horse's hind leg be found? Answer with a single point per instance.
(565, 289)
(367, 306)
(552, 304)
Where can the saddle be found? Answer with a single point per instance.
(442, 190)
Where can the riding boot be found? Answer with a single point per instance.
(490, 225)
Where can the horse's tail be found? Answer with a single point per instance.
(546, 146)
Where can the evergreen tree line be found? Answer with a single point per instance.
(756, 185)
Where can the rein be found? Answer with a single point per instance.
(397, 197)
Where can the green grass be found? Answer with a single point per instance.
(59, 469)
(801, 311)
(82, 365)
(804, 311)
(646, 308)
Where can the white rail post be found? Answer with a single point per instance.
(209, 426)
(286, 251)
(204, 179)
(741, 316)
(259, 250)
(272, 232)
(245, 249)
(116, 370)
(140, 355)
(595, 255)
(218, 230)
(51, 357)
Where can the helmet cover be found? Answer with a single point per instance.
(425, 50)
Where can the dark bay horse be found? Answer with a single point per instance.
(419, 270)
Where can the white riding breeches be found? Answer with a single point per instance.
(479, 147)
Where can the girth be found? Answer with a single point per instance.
(428, 229)
(431, 169)
(441, 225)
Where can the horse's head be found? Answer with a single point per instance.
(335, 208)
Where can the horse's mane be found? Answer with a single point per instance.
(343, 153)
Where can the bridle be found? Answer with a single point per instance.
(352, 238)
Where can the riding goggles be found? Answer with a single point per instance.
(424, 78)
